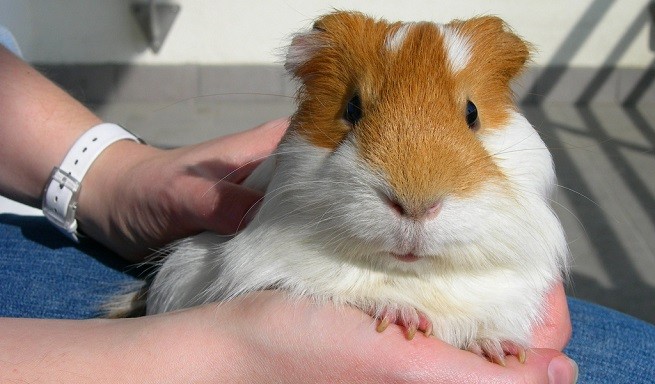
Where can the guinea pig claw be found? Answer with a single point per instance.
(412, 320)
(496, 352)
(498, 359)
(522, 356)
(428, 329)
(411, 331)
(425, 324)
(384, 323)
(419, 323)
(515, 350)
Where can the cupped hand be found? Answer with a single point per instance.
(137, 198)
(263, 337)
(269, 337)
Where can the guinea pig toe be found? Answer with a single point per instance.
(496, 351)
(489, 349)
(513, 349)
(409, 318)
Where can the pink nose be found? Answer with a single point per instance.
(416, 213)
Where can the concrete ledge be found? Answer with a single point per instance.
(115, 82)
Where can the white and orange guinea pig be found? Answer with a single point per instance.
(407, 185)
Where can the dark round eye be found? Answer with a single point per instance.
(471, 115)
(353, 112)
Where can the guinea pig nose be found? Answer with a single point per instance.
(416, 213)
(433, 210)
(397, 207)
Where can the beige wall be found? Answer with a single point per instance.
(220, 32)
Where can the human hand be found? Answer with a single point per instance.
(264, 337)
(555, 331)
(268, 337)
(137, 198)
(261, 337)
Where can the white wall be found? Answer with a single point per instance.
(253, 32)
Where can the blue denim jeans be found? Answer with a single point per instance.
(43, 274)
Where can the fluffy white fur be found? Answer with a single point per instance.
(323, 231)
(486, 262)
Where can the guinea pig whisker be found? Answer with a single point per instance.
(579, 194)
(253, 161)
(592, 201)
(572, 214)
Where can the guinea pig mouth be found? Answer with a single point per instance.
(406, 258)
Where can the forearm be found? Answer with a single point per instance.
(39, 124)
(38, 350)
(150, 349)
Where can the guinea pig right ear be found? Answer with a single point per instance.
(329, 34)
(304, 47)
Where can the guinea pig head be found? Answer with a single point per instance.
(414, 98)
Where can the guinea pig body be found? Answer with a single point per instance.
(407, 185)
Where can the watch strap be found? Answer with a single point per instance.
(62, 190)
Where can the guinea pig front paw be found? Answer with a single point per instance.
(409, 318)
(495, 351)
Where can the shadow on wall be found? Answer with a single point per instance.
(620, 261)
(606, 178)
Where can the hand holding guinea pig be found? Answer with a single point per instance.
(407, 185)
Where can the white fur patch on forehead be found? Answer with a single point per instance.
(457, 47)
(396, 39)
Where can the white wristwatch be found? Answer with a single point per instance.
(62, 190)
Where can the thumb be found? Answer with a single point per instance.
(545, 366)
(562, 369)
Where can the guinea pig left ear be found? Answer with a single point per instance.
(492, 37)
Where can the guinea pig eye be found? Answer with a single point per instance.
(471, 115)
(353, 112)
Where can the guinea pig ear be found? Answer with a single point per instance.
(304, 46)
(494, 45)
(326, 32)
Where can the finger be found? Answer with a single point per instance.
(540, 366)
(233, 157)
(267, 136)
(226, 208)
(544, 366)
(555, 331)
(256, 143)
(431, 360)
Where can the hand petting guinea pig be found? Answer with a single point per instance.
(407, 185)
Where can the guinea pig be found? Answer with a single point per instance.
(407, 185)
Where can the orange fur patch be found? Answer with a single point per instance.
(414, 128)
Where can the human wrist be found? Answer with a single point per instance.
(200, 344)
(108, 191)
(60, 196)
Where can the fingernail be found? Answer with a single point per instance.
(559, 371)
